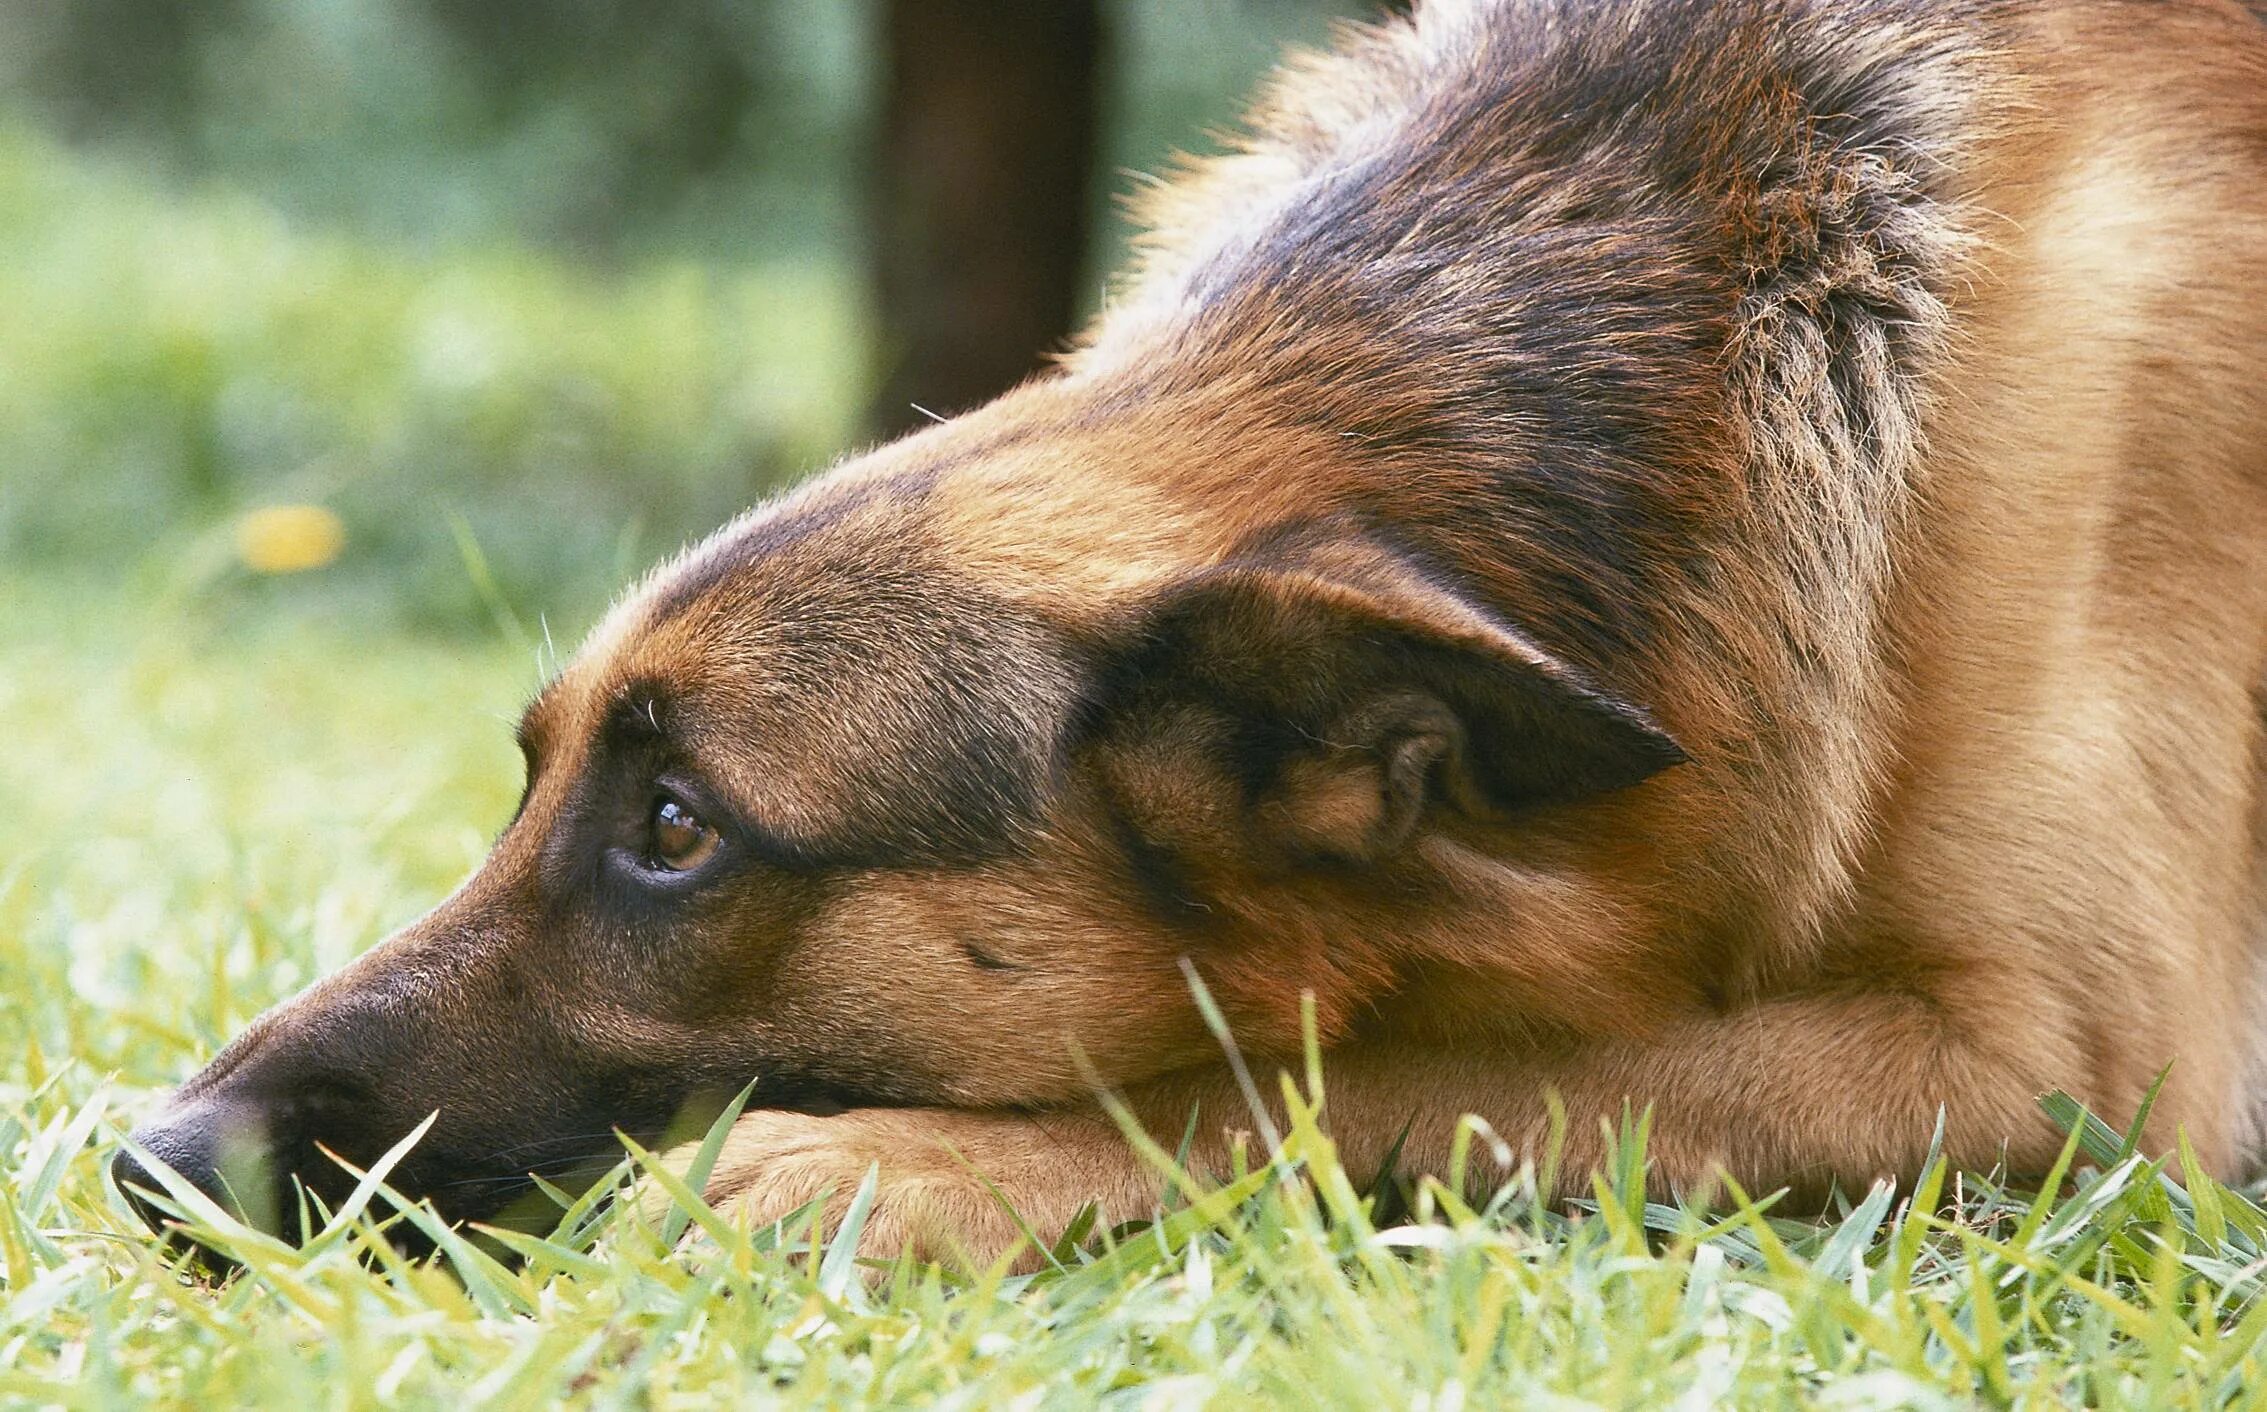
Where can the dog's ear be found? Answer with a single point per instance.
(1350, 694)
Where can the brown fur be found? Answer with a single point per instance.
(1711, 555)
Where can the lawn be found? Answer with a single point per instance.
(212, 798)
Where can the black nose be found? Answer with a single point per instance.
(133, 1181)
(221, 1149)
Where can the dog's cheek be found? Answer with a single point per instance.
(993, 987)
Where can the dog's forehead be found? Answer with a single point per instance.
(842, 677)
(850, 593)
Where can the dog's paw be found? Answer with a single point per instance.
(929, 1196)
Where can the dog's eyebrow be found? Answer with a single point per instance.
(534, 731)
(640, 711)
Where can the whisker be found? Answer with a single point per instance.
(505, 1154)
(593, 1168)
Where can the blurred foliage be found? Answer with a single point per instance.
(599, 122)
(525, 292)
(174, 360)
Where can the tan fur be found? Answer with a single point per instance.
(2077, 642)
(1811, 681)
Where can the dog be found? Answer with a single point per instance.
(1707, 555)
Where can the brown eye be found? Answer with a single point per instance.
(681, 842)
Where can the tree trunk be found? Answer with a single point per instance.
(983, 195)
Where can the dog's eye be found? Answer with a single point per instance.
(681, 842)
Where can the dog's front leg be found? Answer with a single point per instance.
(1835, 1086)
(1802, 1091)
(943, 1175)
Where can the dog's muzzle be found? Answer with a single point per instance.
(219, 1147)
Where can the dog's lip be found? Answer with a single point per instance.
(463, 1182)
(502, 1182)
(818, 1100)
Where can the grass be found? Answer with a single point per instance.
(210, 804)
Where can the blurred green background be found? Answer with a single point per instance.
(525, 291)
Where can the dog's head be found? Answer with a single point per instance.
(918, 788)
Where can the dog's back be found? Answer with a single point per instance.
(1903, 369)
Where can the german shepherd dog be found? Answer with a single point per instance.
(1702, 554)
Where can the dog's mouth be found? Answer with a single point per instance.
(507, 1188)
(281, 1176)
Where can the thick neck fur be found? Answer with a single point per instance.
(1598, 298)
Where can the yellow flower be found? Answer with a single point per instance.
(286, 539)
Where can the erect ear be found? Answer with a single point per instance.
(1354, 694)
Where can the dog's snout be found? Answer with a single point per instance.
(135, 1181)
(322, 1104)
(221, 1148)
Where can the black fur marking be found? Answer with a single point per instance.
(1160, 879)
(909, 718)
(715, 565)
(962, 702)
(1565, 256)
(711, 572)
(1282, 668)
(984, 960)
(743, 546)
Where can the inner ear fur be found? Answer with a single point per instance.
(1356, 693)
